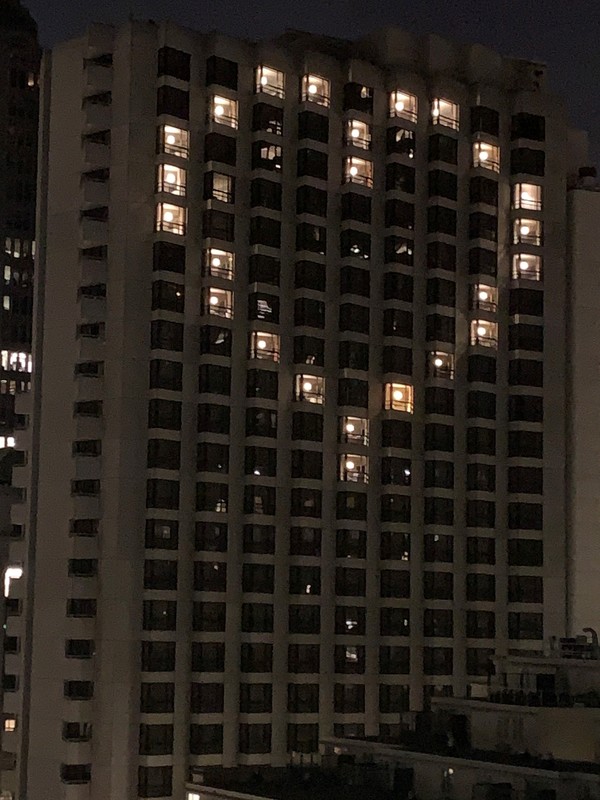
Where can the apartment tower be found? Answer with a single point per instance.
(297, 444)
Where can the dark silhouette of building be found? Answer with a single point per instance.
(19, 68)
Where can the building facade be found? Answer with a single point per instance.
(297, 443)
(19, 69)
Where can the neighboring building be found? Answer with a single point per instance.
(293, 469)
(19, 69)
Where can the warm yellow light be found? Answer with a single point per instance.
(399, 105)
(439, 362)
(264, 80)
(170, 177)
(170, 139)
(353, 171)
(350, 428)
(312, 89)
(262, 344)
(525, 196)
(168, 216)
(355, 133)
(398, 395)
(216, 262)
(307, 386)
(350, 464)
(481, 331)
(523, 265)
(483, 155)
(483, 295)
(219, 111)
(214, 300)
(524, 230)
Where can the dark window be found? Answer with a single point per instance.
(525, 444)
(165, 335)
(443, 184)
(156, 740)
(313, 126)
(259, 538)
(482, 262)
(525, 589)
(398, 250)
(479, 661)
(481, 550)
(443, 148)
(482, 369)
(525, 552)
(394, 621)
(394, 660)
(262, 383)
(351, 543)
(437, 660)
(206, 698)
(307, 464)
(354, 281)
(212, 497)
(208, 617)
(158, 656)
(208, 656)
(303, 698)
(218, 225)
(303, 658)
(485, 120)
(481, 404)
(481, 441)
(395, 471)
(354, 318)
(439, 437)
(155, 781)
(441, 255)
(213, 418)
(525, 625)
(352, 392)
(481, 587)
(397, 286)
(526, 301)
(167, 296)
(524, 408)
(438, 622)
(439, 474)
(439, 511)
(218, 147)
(305, 580)
(440, 328)
(206, 739)
(263, 269)
(164, 414)
(353, 355)
(266, 231)
(256, 657)
(526, 337)
(350, 582)
(310, 200)
(393, 698)
(166, 375)
(439, 400)
(438, 585)
(351, 505)
(162, 494)
(307, 426)
(222, 72)
(358, 98)
(441, 292)
(214, 379)
(211, 536)
(399, 177)
(260, 461)
(528, 126)
(481, 514)
(258, 578)
(349, 698)
(212, 457)
(310, 275)
(402, 141)
(483, 190)
(306, 503)
(256, 698)
(525, 480)
(214, 341)
(157, 698)
(260, 500)
(355, 244)
(160, 574)
(397, 322)
(394, 583)
(396, 433)
(483, 226)
(267, 118)
(524, 372)
(305, 541)
(309, 313)
(399, 213)
(174, 102)
(527, 161)
(210, 576)
(257, 618)
(481, 624)
(161, 534)
(169, 257)
(525, 516)
(481, 477)
(160, 615)
(395, 508)
(438, 548)
(266, 194)
(356, 207)
(312, 163)
(312, 238)
(174, 63)
(349, 620)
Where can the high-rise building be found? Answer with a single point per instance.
(297, 453)
(19, 68)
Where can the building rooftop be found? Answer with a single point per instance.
(15, 17)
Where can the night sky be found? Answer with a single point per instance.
(565, 34)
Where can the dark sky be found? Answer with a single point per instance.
(565, 34)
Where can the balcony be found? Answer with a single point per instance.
(309, 389)
(358, 170)
(484, 298)
(358, 134)
(484, 333)
(224, 111)
(527, 231)
(316, 89)
(527, 196)
(264, 346)
(354, 468)
(446, 113)
(173, 141)
(171, 179)
(403, 105)
(218, 263)
(171, 219)
(399, 397)
(486, 156)
(217, 303)
(526, 267)
(269, 81)
(354, 430)
(544, 699)
(440, 365)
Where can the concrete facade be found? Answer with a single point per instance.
(293, 414)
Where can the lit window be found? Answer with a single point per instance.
(6, 302)
(218, 186)
(217, 302)
(269, 81)
(354, 429)
(484, 297)
(7, 273)
(7, 441)
(15, 361)
(440, 365)
(309, 388)
(527, 231)
(192, 796)
(264, 346)
(527, 267)
(170, 218)
(357, 170)
(528, 196)
(171, 179)
(224, 111)
(10, 724)
(399, 397)
(218, 263)
(315, 89)
(358, 134)
(486, 156)
(174, 141)
(354, 468)
(443, 112)
(484, 333)
(404, 105)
